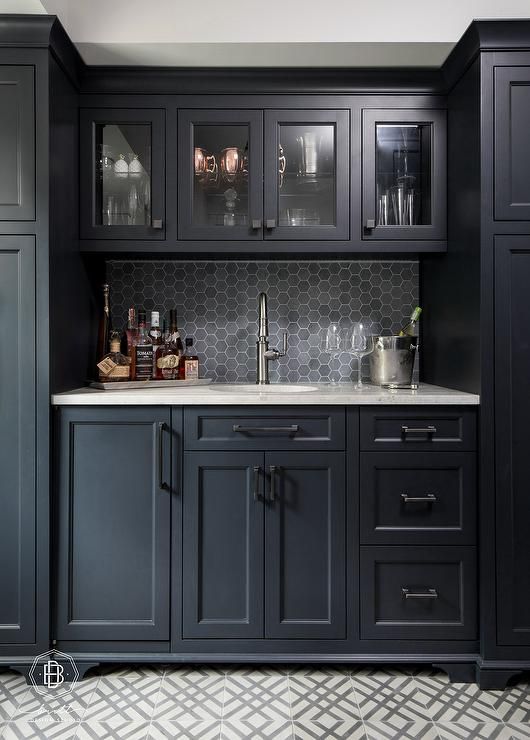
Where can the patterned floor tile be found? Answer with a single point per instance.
(40, 729)
(460, 703)
(13, 687)
(513, 705)
(277, 729)
(321, 671)
(134, 700)
(71, 706)
(256, 699)
(338, 731)
(413, 730)
(194, 729)
(395, 708)
(518, 731)
(131, 671)
(489, 730)
(117, 730)
(256, 670)
(369, 680)
(321, 698)
(185, 670)
(190, 697)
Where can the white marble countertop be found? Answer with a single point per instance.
(239, 394)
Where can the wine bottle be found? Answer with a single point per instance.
(411, 329)
(105, 325)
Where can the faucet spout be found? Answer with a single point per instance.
(264, 354)
(263, 320)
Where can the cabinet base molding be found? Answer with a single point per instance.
(495, 674)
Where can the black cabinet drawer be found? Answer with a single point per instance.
(418, 593)
(274, 428)
(410, 498)
(427, 428)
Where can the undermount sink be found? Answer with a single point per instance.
(257, 389)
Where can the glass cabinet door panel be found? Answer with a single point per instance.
(404, 177)
(220, 174)
(123, 174)
(307, 175)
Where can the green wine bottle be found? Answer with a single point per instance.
(411, 329)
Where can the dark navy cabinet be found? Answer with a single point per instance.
(114, 496)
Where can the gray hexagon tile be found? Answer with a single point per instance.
(216, 303)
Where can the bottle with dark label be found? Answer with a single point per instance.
(172, 350)
(189, 363)
(143, 351)
(412, 328)
(105, 325)
(156, 338)
(114, 366)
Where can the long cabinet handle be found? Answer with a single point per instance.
(161, 483)
(257, 471)
(429, 430)
(429, 498)
(272, 490)
(290, 429)
(429, 593)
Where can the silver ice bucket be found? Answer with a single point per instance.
(392, 361)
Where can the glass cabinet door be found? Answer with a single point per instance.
(307, 169)
(220, 174)
(404, 174)
(122, 174)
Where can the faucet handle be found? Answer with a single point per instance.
(284, 349)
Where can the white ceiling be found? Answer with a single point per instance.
(272, 33)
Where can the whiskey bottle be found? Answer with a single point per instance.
(143, 351)
(114, 366)
(156, 338)
(105, 324)
(189, 363)
(169, 356)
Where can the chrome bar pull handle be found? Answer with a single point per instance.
(428, 593)
(429, 498)
(429, 430)
(161, 483)
(270, 223)
(272, 490)
(257, 470)
(288, 429)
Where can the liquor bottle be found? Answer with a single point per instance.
(130, 335)
(143, 351)
(114, 366)
(189, 363)
(411, 329)
(169, 356)
(105, 324)
(156, 337)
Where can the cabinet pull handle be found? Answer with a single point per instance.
(257, 470)
(429, 498)
(256, 223)
(429, 593)
(272, 490)
(161, 483)
(429, 430)
(290, 429)
(270, 223)
(370, 223)
(158, 223)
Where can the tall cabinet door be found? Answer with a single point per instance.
(17, 143)
(512, 143)
(17, 435)
(114, 503)
(220, 167)
(512, 412)
(305, 539)
(223, 544)
(307, 165)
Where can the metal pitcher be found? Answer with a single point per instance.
(392, 361)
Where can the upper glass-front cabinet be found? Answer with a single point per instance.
(122, 188)
(404, 174)
(220, 174)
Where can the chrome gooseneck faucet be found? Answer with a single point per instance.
(264, 354)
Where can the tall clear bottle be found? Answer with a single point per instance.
(105, 325)
(143, 351)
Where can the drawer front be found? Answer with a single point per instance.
(276, 428)
(423, 429)
(409, 498)
(418, 593)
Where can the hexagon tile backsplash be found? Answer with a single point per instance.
(217, 305)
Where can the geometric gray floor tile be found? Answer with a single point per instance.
(13, 687)
(324, 699)
(339, 731)
(459, 703)
(489, 730)
(72, 705)
(192, 729)
(320, 671)
(258, 699)
(186, 697)
(131, 671)
(257, 670)
(369, 680)
(279, 729)
(36, 730)
(513, 705)
(133, 700)
(392, 708)
(194, 672)
(413, 730)
(518, 731)
(95, 730)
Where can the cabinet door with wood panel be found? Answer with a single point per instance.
(113, 523)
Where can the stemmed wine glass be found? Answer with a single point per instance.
(333, 345)
(359, 343)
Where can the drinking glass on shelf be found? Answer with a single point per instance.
(333, 345)
(359, 343)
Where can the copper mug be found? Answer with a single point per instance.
(232, 163)
(205, 165)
